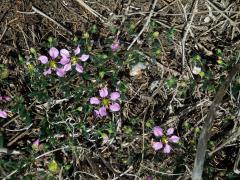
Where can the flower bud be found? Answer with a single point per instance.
(155, 34)
(33, 51)
(86, 35)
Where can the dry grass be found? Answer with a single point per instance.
(166, 93)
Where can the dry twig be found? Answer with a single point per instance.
(187, 29)
(230, 139)
(46, 16)
(235, 169)
(223, 13)
(9, 152)
(204, 136)
(145, 25)
(92, 11)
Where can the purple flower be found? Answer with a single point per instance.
(149, 178)
(3, 114)
(5, 98)
(60, 72)
(68, 61)
(53, 53)
(103, 92)
(106, 102)
(35, 144)
(157, 145)
(165, 139)
(157, 131)
(115, 45)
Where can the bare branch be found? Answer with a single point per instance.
(204, 136)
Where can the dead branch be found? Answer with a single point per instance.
(49, 18)
(204, 136)
(145, 25)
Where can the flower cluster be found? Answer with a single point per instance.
(164, 139)
(105, 102)
(3, 113)
(62, 61)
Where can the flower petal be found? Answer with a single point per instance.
(64, 53)
(43, 59)
(102, 111)
(115, 45)
(7, 98)
(174, 139)
(103, 92)
(77, 50)
(96, 113)
(84, 57)
(94, 100)
(157, 131)
(167, 149)
(114, 107)
(35, 144)
(196, 70)
(67, 67)
(3, 114)
(105, 138)
(46, 72)
(79, 68)
(114, 96)
(157, 145)
(64, 61)
(61, 72)
(149, 178)
(53, 52)
(170, 131)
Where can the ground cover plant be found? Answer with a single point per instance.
(119, 89)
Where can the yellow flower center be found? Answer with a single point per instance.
(30, 67)
(106, 102)
(164, 140)
(53, 64)
(74, 60)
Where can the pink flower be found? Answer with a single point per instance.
(106, 102)
(157, 145)
(68, 61)
(103, 92)
(149, 178)
(157, 131)
(5, 98)
(114, 107)
(36, 144)
(94, 100)
(165, 139)
(53, 53)
(60, 72)
(3, 114)
(115, 45)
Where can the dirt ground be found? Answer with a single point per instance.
(212, 27)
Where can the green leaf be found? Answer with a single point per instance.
(53, 166)
(4, 73)
(1, 140)
(171, 82)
